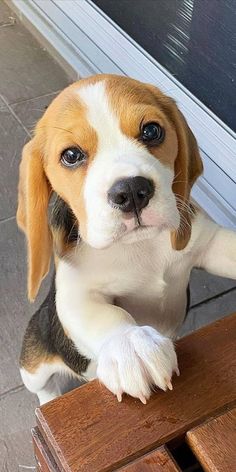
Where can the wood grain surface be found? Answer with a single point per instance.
(156, 461)
(87, 430)
(214, 443)
(45, 461)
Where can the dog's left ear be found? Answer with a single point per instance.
(188, 167)
(33, 198)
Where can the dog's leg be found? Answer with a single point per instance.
(131, 359)
(219, 255)
(41, 381)
(39, 359)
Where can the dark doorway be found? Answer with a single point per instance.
(195, 40)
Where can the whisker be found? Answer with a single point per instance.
(56, 127)
(75, 222)
(179, 182)
(177, 175)
(185, 206)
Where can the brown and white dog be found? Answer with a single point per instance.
(122, 160)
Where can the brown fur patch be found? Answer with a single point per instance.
(135, 103)
(34, 195)
(70, 128)
(35, 359)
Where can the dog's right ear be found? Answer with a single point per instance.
(33, 198)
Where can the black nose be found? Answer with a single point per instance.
(132, 194)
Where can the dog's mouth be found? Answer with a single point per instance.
(137, 230)
(137, 223)
(139, 233)
(142, 225)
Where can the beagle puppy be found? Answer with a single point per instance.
(121, 160)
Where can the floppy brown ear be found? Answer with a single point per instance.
(188, 167)
(33, 198)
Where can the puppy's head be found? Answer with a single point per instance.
(122, 157)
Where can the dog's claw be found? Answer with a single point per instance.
(143, 399)
(119, 397)
(169, 385)
(177, 371)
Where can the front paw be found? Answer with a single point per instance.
(135, 360)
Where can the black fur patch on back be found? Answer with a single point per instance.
(45, 337)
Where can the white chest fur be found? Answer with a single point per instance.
(146, 278)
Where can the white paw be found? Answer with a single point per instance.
(135, 360)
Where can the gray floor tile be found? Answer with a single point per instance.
(12, 139)
(16, 420)
(204, 285)
(15, 309)
(31, 110)
(2, 105)
(209, 312)
(27, 70)
(6, 15)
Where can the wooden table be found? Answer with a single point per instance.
(87, 430)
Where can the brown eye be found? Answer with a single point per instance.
(72, 157)
(152, 133)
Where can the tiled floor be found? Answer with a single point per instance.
(29, 79)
